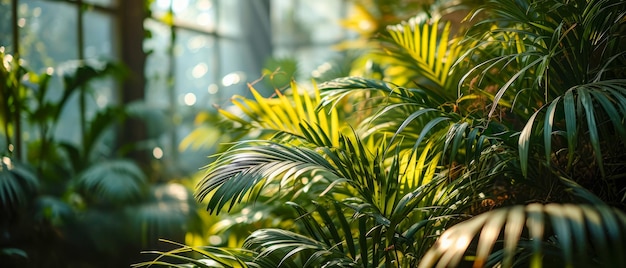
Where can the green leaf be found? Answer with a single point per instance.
(113, 181)
(594, 138)
(591, 235)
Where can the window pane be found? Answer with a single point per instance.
(157, 64)
(194, 67)
(229, 21)
(321, 18)
(235, 69)
(6, 30)
(307, 30)
(98, 32)
(196, 14)
(47, 38)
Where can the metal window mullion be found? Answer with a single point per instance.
(16, 57)
(171, 84)
(80, 40)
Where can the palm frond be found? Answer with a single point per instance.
(210, 257)
(533, 235)
(287, 249)
(169, 212)
(432, 50)
(284, 113)
(250, 166)
(17, 186)
(596, 109)
(113, 181)
(540, 49)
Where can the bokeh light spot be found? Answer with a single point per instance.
(157, 152)
(213, 88)
(190, 99)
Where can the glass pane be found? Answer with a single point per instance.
(98, 32)
(310, 58)
(306, 30)
(305, 22)
(47, 38)
(229, 17)
(6, 28)
(196, 14)
(157, 64)
(321, 19)
(286, 30)
(235, 69)
(195, 67)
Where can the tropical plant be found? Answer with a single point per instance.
(498, 146)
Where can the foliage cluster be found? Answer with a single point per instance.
(498, 142)
(77, 201)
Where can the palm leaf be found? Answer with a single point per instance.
(113, 181)
(288, 249)
(285, 113)
(541, 49)
(324, 244)
(210, 257)
(17, 186)
(168, 212)
(431, 48)
(249, 165)
(537, 233)
(589, 103)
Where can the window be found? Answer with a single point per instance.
(202, 52)
(197, 53)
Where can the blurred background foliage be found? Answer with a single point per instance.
(108, 114)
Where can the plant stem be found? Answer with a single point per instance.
(81, 56)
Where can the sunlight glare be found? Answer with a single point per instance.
(231, 79)
(102, 101)
(197, 42)
(213, 88)
(445, 241)
(215, 240)
(157, 152)
(462, 242)
(37, 12)
(177, 6)
(204, 4)
(199, 70)
(7, 61)
(204, 19)
(190, 99)
(7, 162)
